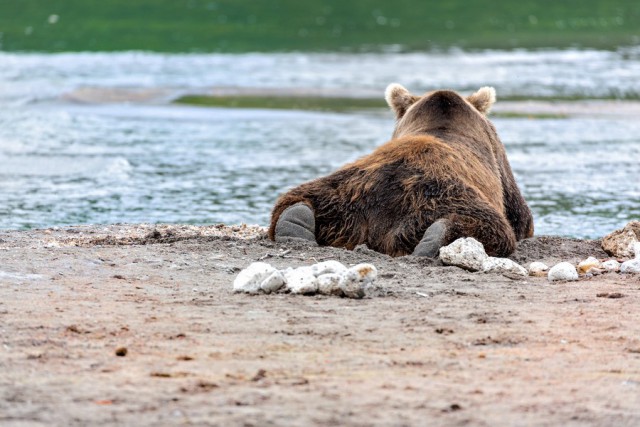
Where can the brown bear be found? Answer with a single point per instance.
(444, 175)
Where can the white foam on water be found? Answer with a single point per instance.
(60, 166)
(572, 72)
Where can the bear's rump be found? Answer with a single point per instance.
(387, 201)
(387, 208)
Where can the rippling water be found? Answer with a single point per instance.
(67, 163)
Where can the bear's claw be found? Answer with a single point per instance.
(297, 222)
(433, 240)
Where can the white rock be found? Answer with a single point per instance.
(465, 252)
(538, 269)
(272, 283)
(611, 265)
(301, 280)
(328, 267)
(354, 280)
(503, 265)
(563, 271)
(631, 266)
(250, 279)
(350, 286)
(366, 272)
(588, 264)
(333, 278)
(329, 284)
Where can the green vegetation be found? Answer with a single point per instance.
(329, 25)
(284, 102)
(315, 103)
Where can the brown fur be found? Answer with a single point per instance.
(445, 161)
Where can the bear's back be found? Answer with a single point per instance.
(403, 164)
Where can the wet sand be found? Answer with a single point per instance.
(138, 325)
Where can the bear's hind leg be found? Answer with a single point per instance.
(434, 238)
(297, 222)
(479, 221)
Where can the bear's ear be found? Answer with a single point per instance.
(483, 99)
(399, 99)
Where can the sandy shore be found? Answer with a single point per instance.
(138, 325)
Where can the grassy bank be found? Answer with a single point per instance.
(286, 25)
(312, 103)
(347, 104)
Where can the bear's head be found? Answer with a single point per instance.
(439, 109)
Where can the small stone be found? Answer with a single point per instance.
(611, 265)
(503, 265)
(328, 267)
(465, 252)
(329, 284)
(272, 283)
(562, 271)
(121, 351)
(366, 272)
(350, 286)
(538, 269)
(250, 279)
(619, 243)
(301, 280)
(631, 266)
(588, 264)
(354, 281)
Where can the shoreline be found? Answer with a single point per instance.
(125, 234)
(328, 100)
(548, 248)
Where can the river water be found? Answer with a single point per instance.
(135, 159)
